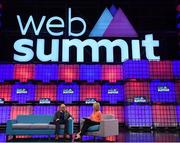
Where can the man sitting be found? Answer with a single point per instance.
(61, 117)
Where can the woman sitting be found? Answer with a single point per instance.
(94, 119)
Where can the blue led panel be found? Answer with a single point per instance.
(90, 72)
(68, 93)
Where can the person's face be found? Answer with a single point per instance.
(62, 108)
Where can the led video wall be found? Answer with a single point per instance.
(137, 93)
(138, 69)
(131, 115)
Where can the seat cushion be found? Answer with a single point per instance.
(21, 126)
(107, 116)
(38, 126)
(53, 126)
(34, 119)
(94, 128)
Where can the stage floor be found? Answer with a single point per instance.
(124, 136)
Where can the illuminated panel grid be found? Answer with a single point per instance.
(162, 91)
(138, 115)
(136, 69)
(68, 93)
(46, 72)
(117, 111)
(74, 111)
(161, 70)
(24, 72)
(164, 116)
(90, 72)
(112, 73)
(5, 114)
(42, 136)
(177, 89)
(6, 72)
(2, 137)
(85, 111)
(5, 92)
(23, 137)
(111, 138)
(45, 91)
(119, 138)
(90, 91)
(112, 93)
(176, 69)
(44, 110)
(20, 110)
(178, 114)
(139, 137)
(23, 92)
(165, 137)
(68, 73)
(134, 89)
(91, 138)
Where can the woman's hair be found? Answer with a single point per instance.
(96, 106)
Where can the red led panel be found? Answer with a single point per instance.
(74, 111)
(45, 91)
(111, 138)
(177, 89)
(165, 137)
(134, 89)
(24, 72)
(90, 91)
(164, 116)
(20, 110)
(121, 138)
(117, 111)
(112, 73)
(68, 73)
(161, 70)
(23, 137)
(5, 92)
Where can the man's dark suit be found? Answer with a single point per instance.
(61, 117)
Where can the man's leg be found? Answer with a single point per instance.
(66, 127)
(57, 127)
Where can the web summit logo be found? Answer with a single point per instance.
(112, 23)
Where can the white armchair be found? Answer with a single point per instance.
(108, 127)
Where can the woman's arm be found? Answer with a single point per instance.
(100, 116)
(91, 117)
